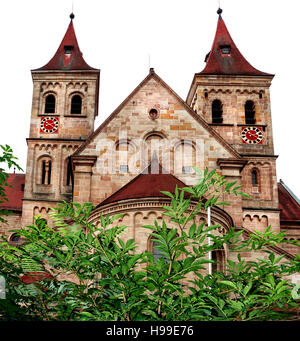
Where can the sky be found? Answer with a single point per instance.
(118, 36)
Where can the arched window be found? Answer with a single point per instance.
(155, 147)
(41, 222)
(153, 247)
(217, 111)
(50, 104)
(184, 158)
(46, 167)
(250, 112)
(125, 157)
(219, 257)
(69, 174)
(156, 252)
(76, 104)
(15, 237)
(16, 240)
(254, 177)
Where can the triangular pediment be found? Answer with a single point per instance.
(154, 90)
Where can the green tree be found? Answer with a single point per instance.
(108, 280)
(6, 159)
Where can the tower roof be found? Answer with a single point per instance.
(68, 55)
(225, 58)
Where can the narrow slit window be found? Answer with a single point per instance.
(250, 112)
(76, 104)
(217, 111)
(218, 256)
(254, 177)
(69, 179)
(50, 104)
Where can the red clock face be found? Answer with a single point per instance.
(252, 135)
(49, 125)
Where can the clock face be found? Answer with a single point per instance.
(252, 135)
(49, 125)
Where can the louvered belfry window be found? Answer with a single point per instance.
(76, 104)
(50, 104)
(250, 112)
(217, 111)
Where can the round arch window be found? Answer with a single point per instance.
(76, 104)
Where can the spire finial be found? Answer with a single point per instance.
(72, 16)
(219, 11)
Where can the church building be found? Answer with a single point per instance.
(150, 144)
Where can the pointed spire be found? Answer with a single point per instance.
(68, 55)
(225, 58)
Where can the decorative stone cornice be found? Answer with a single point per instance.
(218, 216)
(83, 163)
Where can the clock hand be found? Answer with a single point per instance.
(252, 135)
(51, 125)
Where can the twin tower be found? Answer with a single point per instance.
(227, 108)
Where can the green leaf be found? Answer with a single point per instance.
(228, 283)
(247, 288)
(192, 230)
(167, 194)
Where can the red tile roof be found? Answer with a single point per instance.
(148, 184)
(288, 204)
(63, 61)
(15, 193)
(227, 64)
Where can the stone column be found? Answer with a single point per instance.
(231, 169)
(82, 168)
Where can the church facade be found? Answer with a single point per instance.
(150, 144)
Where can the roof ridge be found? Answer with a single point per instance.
(290, 192)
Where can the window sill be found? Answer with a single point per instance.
(253, 125)
(221, 124)
(47, 114)
(75, 115)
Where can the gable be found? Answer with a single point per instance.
(176, 120)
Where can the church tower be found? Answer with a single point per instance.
(64, 107)
(234, 99)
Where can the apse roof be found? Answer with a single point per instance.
(68, 55)
(147, 184)
(225, 58)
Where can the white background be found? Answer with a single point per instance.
(117, 37)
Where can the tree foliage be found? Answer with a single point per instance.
(81, 271)
(6, 158)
